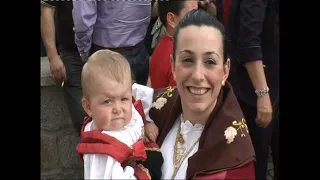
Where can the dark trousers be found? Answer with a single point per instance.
(262, 139)
(72, 87)
(138, 59)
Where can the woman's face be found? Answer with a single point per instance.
(198, 68)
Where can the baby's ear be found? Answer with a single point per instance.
(86, 106)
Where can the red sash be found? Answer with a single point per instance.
(95, 142)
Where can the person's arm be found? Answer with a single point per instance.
(49, 40)
(155, 12)
(84, 17)
(48, 28)
(98, 166)
(252, 13)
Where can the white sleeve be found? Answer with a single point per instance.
(145, 94)
(98, 166)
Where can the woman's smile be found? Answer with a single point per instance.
(199, 91)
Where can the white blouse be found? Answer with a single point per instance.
(191, 134)
(99, 166)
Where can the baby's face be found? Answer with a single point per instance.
(110, 104)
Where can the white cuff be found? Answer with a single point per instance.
(145, 94)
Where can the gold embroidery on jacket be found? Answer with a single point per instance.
(161, 99)
(168, 92)
(153, 149)
(242, 126)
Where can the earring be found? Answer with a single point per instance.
(222, 83)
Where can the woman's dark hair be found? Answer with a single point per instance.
(165, 6)
(200, 18)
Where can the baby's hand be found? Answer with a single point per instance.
(151, 132)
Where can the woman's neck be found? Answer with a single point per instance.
(169, 32)
(197, 117)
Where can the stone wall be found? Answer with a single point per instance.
(59, 159)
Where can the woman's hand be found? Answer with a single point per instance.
(151, 132)
(264, 111)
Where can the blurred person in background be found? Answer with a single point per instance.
(65, 62)
(119, 26)
(253, 33)
(154, 17)
(170, 13)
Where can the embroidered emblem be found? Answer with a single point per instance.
(161, 101)
(230, 133)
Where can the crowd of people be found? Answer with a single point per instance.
(175, 89)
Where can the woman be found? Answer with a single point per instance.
(202, 132)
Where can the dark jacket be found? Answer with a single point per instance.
(253, 34)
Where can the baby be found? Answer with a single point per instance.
(111, 145)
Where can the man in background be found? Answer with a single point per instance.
(119, 26)
(66, 68)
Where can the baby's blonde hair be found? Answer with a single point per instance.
(107, 63)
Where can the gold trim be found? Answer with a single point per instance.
(242, 125)
(168, 92)
(144, 170)
(153, 149)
